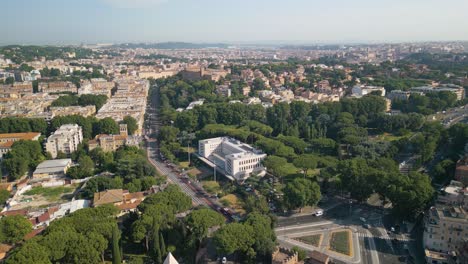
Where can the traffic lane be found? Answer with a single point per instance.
(306, 229)
(175, 180)
(304, 219)
(193, 190)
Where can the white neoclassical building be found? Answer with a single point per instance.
(237, 159)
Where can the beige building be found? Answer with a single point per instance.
(129, 100)
(7, 140)
(16, 90)
(156, 74)
(85, 111)
(446, 229)
(197, 73)
(65, 139)
(32, 106)
(110, 142)
(122, 199)
(446, 224)
(57, 87)
(96, 86)
(52, 169)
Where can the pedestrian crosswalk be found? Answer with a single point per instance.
(387, 238)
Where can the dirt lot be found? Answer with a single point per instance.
(39, 197)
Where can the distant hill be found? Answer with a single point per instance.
(172, 45)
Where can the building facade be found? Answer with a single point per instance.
(110, 142)
(7, 140)
(457, 90)
(446, 225)
(237, 159)
(16, 90)
(57, 87)
(52, 169)
(65, 139)
(359, 91)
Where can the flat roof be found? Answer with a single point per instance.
(25, 136)
(50, 166)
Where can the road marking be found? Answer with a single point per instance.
(303, 226)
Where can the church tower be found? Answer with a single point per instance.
(123, 130)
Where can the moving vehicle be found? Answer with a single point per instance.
(318, 212)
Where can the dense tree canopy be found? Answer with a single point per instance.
(14, 228)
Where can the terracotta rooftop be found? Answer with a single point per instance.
(108, 197)
(131, 196)
(52, 210)
(34, 233)
(43, 217)
(15, 212)
(129, 206)
(24, 136)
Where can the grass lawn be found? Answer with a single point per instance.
(49, 193)
(340, 242)
(211, 187)
(200, 172)
(184, 164)
(234, 202)
(312, 240)
(389, 137)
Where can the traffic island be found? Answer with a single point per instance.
(313, 240)
(341, 242)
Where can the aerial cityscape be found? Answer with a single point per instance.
(177, 131)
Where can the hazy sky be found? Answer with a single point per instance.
(298, 21)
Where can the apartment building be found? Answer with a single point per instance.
(96, 86)
(65, 139)
(446, 225)
(110, 142)
(128, 100)
(57, 87)
(359, 91)
(32, 106)
(7, 140)
(197, 73)
(16, 90)
(85, 111)
(156, 74)
(237, 159)
(398, 95)
(457, 90)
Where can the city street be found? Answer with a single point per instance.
(373, 242)
(192, 189)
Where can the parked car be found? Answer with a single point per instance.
(318, 213)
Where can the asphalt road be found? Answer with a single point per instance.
(197, 194)
(452, 116)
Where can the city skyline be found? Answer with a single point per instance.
(260, 21)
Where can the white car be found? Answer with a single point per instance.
(318, 213)
(224, 260)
